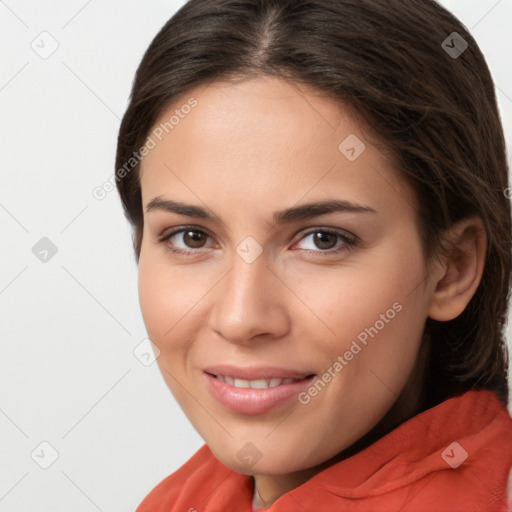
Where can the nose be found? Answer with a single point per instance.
(250, 301)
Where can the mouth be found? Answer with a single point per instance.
(254, 390)
(257, 383)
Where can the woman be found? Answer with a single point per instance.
(318, 191)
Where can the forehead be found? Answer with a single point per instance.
(249, 119)
(261, 138)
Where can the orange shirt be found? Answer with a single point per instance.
(454, 457)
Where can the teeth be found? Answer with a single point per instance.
(255, 384)
(259, 384)
(241, 383)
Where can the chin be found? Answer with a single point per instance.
(264, 460)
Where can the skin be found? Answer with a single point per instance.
(245, 151)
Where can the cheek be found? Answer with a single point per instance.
(165, 297)
(165, 301)
(154, 302)
(348, 301)
(376, 311)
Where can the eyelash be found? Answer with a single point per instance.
(348, 243)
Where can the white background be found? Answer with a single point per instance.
(70, 325)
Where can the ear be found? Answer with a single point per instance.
(461, 268)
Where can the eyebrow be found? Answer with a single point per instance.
(293, 214)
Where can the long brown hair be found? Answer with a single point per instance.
(427, 95)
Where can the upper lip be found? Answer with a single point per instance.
(256, 372)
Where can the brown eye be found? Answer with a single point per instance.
(194, 239)
(324, 240)
(184, 240)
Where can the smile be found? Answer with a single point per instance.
(254, 390)
(254, 384)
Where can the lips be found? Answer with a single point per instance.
(254, 390)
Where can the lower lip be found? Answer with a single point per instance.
(250, 400)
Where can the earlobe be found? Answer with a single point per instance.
(462, 266)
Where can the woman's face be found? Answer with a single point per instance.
(303, 262)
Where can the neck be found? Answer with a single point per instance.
(268, 488)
